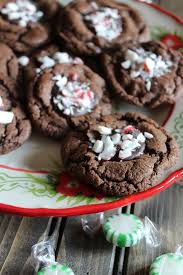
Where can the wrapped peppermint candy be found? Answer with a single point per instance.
(126, 230)
(168, 264)
(43, 253)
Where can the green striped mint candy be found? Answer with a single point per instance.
(167, 264)
(56, 269)
(123, 230)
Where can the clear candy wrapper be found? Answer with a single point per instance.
(44, 260)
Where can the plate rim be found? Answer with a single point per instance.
(94, 208)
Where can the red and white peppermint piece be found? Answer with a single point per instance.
(149, 64)
(128, 129)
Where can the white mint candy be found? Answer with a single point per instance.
(104, 130)
(1, 102)
(141, 137)
(23, 60)
(6, 117)
(109, 149)
(127, 136)
(116, 138)
(131, 55)
(134, 74)
(148, 85)
(47, 62)
(123, 230)
(22, 23)
(126, 64)
(123, 154)
(98, 146)
(148, 135)
(126, 144)
(12, 6)
(13, 16)
(38, 70)
(61, 57)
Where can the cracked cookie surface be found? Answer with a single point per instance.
(120, 176)
(88, 27)
(25, 31)
(145, 74)
(59, 98)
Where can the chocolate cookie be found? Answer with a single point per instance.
(25, 24)
(15, 127)
(147, 74)
(65, 95)
(119, 154)
(88, 27)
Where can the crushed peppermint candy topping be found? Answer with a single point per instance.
(6, 117)
(73, 98)
(23, 60)
(145, 64)
(124, 144)
(57, 58)
(22, 12)
(106, 22)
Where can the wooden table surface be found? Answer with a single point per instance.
(95, 256)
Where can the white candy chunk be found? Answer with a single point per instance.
(116, 138)
(23, 60)
(104, 130)
(22, 23)
(47, 62)
(6, 117)
(106, 22)
(1, 102)
(109, 149)
(135, 144)
(38, 70)
(61, 82)
(62, 57)
(131, 55)
(22, 11)
(117, 130)
(126, 144)
(123, 154)
(126, 64)
(77, 60)
(148, 135)
(148, 85)
(141, 138)
(127, 136)
(13, 16)
(12, 6)
(4, 11)
(94, 5)
(134, 74)
(60, 106)
(39, 14)
(98, 146)
(67, 112)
